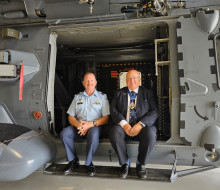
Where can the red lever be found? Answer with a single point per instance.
(21, 81)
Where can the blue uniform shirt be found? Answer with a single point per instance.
(89, 108)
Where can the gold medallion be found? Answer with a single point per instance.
(132, 105)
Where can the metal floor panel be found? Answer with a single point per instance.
(110, 172)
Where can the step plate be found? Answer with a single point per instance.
(110, 172)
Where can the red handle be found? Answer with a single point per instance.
(21, 81)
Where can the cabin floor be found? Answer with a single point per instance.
(203, 180)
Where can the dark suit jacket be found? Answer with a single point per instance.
(146, 108)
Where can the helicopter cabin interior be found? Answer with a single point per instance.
(108, 51)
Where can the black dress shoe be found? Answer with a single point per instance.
(71, 166)
(90, 169)
(141, 171)
(123, 172)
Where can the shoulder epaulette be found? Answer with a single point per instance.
(78, 94)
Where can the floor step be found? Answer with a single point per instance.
(110, 172)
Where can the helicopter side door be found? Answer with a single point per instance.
(199, 91)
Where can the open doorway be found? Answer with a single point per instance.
(107, 51)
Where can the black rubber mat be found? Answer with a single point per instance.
(110, 172)
(8, 132)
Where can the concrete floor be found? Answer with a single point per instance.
(208, 180)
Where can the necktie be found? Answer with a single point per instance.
(133, 117)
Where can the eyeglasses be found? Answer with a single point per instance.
(133, 78)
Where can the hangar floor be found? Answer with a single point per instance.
(203, 180)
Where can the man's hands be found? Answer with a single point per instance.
(127, 128)
(135, 130)
(132, 131)
(83, 127)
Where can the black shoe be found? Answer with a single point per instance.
(90, 169)
(123, 172)
(141, 171)
(71, 166)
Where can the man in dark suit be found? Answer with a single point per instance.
(133, 111)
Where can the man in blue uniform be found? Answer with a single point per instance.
(88, 111)
(133, 112)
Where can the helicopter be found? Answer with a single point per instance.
(46, 46)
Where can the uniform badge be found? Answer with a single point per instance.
(80, 101)
(97, 103)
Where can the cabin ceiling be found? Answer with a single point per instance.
(111, 35)
(110, 43)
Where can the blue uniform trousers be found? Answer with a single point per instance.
(70, 134)
(147, 139)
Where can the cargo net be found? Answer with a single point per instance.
(108, 76)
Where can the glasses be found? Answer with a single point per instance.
(133, 78)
